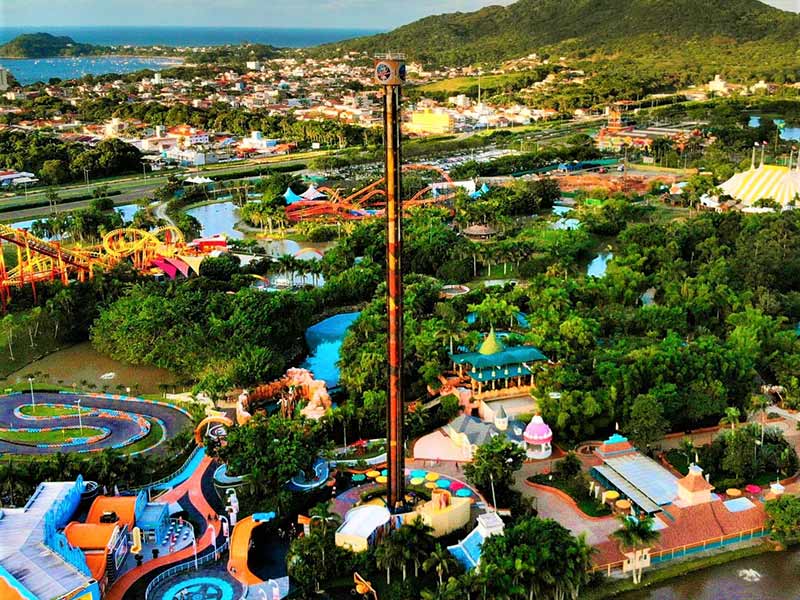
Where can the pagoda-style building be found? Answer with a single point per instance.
(495, 370)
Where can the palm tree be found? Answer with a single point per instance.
(418, 540)
(441, 561)
(322, 515)
(759, 404)
(387, 555)
(731, 417)
(636, 535)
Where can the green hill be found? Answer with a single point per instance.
(726, 30)
(46, 45)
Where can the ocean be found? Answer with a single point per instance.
(29, 71)
(192, 36)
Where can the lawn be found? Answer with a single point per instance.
(575, 488)
(47, 437)
(147, 441)
(49, 411)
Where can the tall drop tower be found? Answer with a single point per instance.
(390, 72)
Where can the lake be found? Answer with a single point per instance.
(82, 362)
(31, 70)
(220, 217)
(788, 133)
(779, 580)
(325, 340)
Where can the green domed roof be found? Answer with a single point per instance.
(491, 345)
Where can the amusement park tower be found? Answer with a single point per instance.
(390, 72)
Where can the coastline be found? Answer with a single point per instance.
(175, 59)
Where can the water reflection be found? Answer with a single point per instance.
(220, 217)
(780, 580)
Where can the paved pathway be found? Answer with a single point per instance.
(121, 430)
(194, 489)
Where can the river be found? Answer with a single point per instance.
(778, 579)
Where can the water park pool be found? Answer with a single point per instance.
(324, 340)
(200, 588)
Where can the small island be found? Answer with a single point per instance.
(46, 45)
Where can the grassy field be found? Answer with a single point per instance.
(49, 411)
(463, 85)
(47, 437)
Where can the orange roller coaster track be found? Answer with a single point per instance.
(363, 203)
(41, 260)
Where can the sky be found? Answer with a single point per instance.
(367, 14)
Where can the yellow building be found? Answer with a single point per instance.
(444, 513)
(426, 122)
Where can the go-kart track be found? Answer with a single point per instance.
(124, 421)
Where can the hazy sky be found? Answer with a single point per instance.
(371, 14)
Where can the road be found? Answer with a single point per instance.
(131, 188)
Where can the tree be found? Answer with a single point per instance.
(646, 423)
(388, 555)
(537, 558)
(441, 561)
(54, 172)
(636, 535)
(417, 537)
(783, 518)
(494, 465)
(731, 417)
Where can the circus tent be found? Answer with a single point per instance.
(312, 193)
(291, 197)
(779, 183)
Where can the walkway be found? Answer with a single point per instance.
(192, 488)
(552, 505)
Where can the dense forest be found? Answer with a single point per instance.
(46, 45)
(675, 34)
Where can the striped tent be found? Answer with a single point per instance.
(766, 181)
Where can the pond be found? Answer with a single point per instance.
(564, 223)
(772, 576)
(220, 217)
(82, 363)
(788, 133)
(598, 266)
(325, 340)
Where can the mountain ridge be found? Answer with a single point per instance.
(583, 27)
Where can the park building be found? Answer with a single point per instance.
(49, 550)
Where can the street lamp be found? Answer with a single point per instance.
(80, 418)
(33, 400)
(86, 175)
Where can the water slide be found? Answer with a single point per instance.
(184, 473)
(240, 546)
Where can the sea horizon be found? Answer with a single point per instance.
(187, 35)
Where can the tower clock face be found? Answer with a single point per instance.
(402, 72)
(383, 72)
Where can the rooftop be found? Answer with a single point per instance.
(23, 553)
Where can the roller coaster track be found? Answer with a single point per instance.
(357, 205)
(41, 260)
